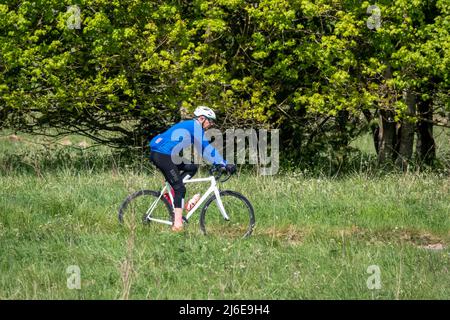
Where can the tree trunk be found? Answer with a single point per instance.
(373, 127)
(425, 148)
(342, 120)
(386, 137)
(387, 127)
(405, 137)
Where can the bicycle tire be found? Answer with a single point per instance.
(242, 216)
(150, 196)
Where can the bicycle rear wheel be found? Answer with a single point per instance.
(136, 207)
(239, 210)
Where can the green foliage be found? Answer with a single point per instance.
(131, 65)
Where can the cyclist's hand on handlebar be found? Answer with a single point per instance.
(217, 168)
(230, 168)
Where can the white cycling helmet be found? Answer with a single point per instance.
(204, 111)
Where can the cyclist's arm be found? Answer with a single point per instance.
(211, 154)
(208, 152)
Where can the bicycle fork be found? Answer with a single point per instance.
(220, 205)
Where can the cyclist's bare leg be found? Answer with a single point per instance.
(178, 220)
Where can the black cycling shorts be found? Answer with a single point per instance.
(174, 174)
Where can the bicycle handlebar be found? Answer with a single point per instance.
(217, 171)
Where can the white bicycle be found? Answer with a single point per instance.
(227, 212)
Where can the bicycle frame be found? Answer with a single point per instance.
(212, 189)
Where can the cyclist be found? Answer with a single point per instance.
(165, 148)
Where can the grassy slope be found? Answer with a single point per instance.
(315, 238)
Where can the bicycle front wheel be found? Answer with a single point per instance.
(141, 205)
(239, 210)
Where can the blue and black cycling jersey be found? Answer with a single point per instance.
(182, 135)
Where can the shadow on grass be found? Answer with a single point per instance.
(38, 162)
(335, 165)
(25, 158)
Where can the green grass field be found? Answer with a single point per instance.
(315, 237)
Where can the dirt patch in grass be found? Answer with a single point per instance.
(14, 138)
(436, 246)
(418, 238)
(290, 234)
(293, 235)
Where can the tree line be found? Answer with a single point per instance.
(323, 71)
